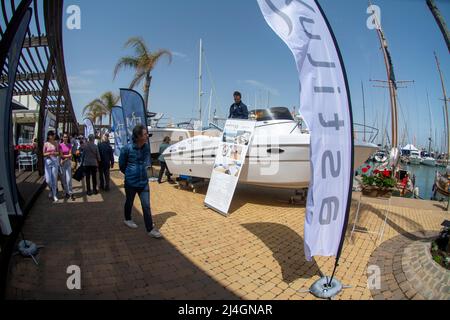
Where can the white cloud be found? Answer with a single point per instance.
(90, 72)
(80, 85)
(180, 55)
(261, 86)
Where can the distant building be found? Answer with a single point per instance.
(26, 118)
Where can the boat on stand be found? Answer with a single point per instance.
(279, 154)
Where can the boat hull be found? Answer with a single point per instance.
(429, 162)
(288, 168)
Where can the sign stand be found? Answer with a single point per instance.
(324, 288)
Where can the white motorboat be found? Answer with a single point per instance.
(279, 155)
(427, 159)
(380, 157)
(415, 158)
(176, 133)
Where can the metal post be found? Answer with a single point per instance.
(41, 120)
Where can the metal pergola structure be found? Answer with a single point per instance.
(41, 72)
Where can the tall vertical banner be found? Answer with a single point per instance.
(134, 110)
(88, 128)
(120, 130)
(326, 107)
(230, 159)
(10, 50)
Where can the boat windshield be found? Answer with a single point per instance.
(278, 113)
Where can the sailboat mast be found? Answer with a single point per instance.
(200, 80)
(392, 86)
(431, 126)
(364, 109)
(445, 104)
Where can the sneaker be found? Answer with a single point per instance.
(55, 199)
(67, 197)
(89, 193)
(96, 192)
(130, 224)
(72, 197)
(155, 234)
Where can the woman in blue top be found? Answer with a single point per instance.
(164, 168)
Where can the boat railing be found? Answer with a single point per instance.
(371, 133)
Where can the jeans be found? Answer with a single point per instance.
(104, 177)
(144, 195)
(164, 168)
(91, 171)
(66, 173)
(51, 175)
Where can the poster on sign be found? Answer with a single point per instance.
(230, 159)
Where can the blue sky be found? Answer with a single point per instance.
(244, 54)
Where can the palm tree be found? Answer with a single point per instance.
(143, 63)
(104, 105)
(95, 112)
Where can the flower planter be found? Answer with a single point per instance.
(376, 192)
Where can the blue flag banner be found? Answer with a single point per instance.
(120, 129)
(133, 110)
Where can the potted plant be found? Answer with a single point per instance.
(378, 183)
(24, 149)
(440, 249)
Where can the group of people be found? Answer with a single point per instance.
(62, 156)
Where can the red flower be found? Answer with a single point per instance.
(387, 173)
(365, 170)
(376, 171)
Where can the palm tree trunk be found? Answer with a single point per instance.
(440, 21)
(147, 83)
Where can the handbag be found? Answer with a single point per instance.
(80, 173)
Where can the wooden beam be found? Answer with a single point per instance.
(27, 77)
(35, 42)
(51, 93)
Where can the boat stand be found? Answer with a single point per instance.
(299, 197)
(380, 232)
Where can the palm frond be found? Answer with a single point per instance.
(124, 63)
(138, 44)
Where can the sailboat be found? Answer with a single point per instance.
(405, 181)
(183, 130)
(442, 183)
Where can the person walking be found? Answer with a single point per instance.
(133, 162)
(66, 166)
(91, 158)
(162, 161)
(238, 109)
(51, 159)
(106, 161)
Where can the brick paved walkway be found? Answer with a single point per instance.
(256, 253)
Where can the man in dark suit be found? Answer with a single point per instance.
(238, 109)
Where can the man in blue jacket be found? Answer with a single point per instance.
(133, 162)
(238, 109)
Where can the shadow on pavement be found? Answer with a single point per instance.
(288, 249)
